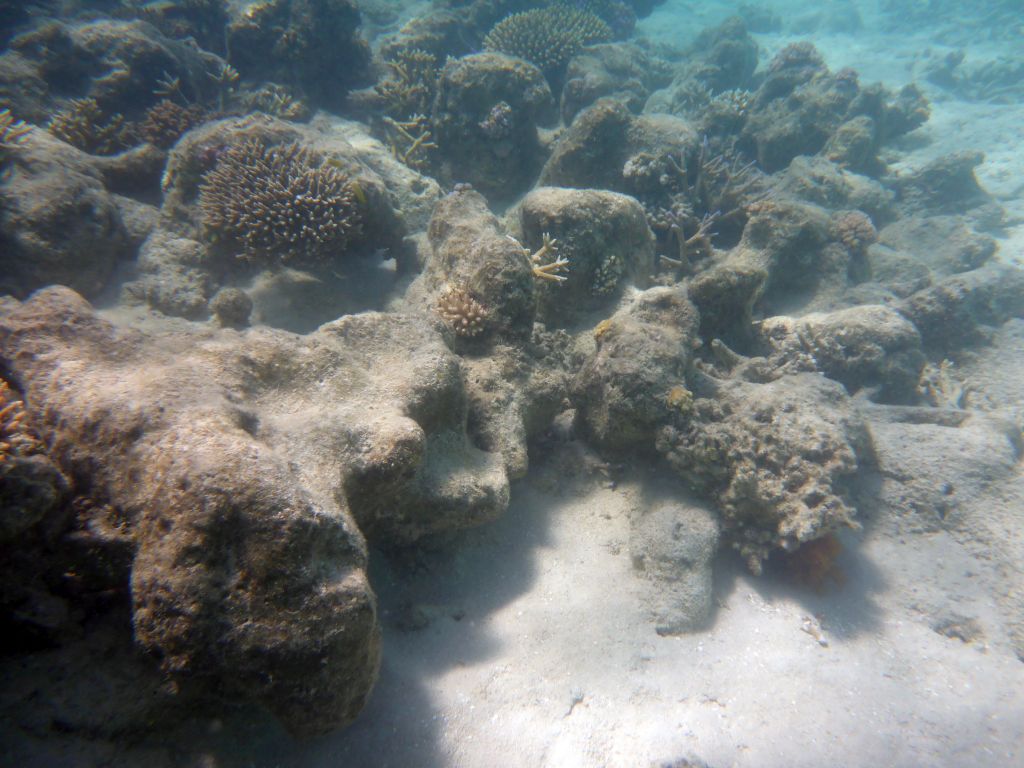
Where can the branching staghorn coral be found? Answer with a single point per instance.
(166, 122)
(689, 199)
(547, 37)
(411, 141)
(84, 125)
(282, 203)
(16, 437)
(410, 85)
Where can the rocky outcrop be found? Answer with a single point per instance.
(244, 469)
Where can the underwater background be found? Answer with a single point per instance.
(562, 383)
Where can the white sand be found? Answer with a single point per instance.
(554, 664)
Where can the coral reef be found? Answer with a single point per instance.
(242, 473)
(504, 166)
(603, 237)
(310, 45)
(283, 203)
(547, 37)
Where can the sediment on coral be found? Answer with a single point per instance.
(281, 203)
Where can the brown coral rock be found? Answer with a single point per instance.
(242, 465)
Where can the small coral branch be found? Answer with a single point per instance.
(699, 243)
(12, 132)
(411, 140)
(461, 312)
(16, 437)
(545, 262)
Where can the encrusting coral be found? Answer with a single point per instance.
(284, 202)
(547, 37)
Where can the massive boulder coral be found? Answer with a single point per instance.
(774, 456)
(244, 468)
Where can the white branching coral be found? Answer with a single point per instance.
(545, 262)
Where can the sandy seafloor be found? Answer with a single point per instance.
(536, 650)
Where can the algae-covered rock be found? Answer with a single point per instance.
(864, 346)
(486, 115)
(58, 223)
(635, 380)
(775, 457)
(246, 469)
(604, 237)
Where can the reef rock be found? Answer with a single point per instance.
(245, 469)
(620, 71)
(776, 458)
(671, 544)
(635, 380)
(963, 309)
(312, 45)
(863, 346)
(486, 115)
(122, 65)
(58, 223)
(602, 235)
